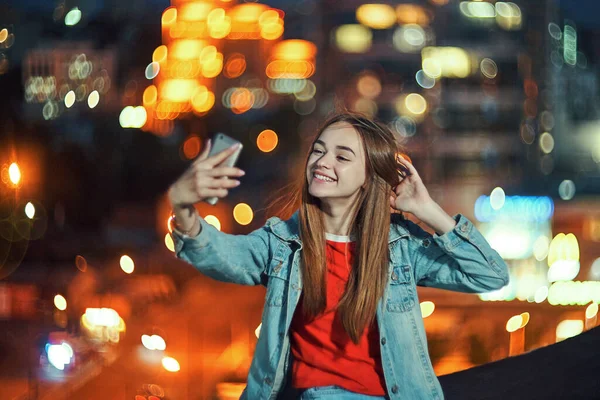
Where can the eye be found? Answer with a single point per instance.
(342, 158)
(317, 151)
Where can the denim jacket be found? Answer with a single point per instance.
(460, 260)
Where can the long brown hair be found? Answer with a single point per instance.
(370, 221)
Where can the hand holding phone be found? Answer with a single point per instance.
(222, 142)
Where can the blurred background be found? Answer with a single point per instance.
(104, 103)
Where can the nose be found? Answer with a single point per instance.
(323, 162)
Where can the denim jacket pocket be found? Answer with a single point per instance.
(277, 284)
(401, 292)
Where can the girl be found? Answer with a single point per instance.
(341, 317)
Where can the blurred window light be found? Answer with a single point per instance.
(178, 90)
(424, 80)
(169, 242)
(368, 85)
(566, 293)
(294, 49)
(477, 9)
(14, 173)
(546, 142)
(427, 308)
(243, 214)
(508, 16)
(307, 92)
(568, 328)
(194, 11)
(554, 31)
(73, 17)
(93, 99)
(60, 302)
(170, 364)
(527, 208)
(570, 45)
(152, 70)
(29, 210)
(214, 221)
(497, 198)
(127, 264)
(353, 38)
(514, 323)
(409, 38)
(70, 99)
(450, 62)
(412, 14)
(488, 68)
(150, 96)
(160, 54)
(186, 49)
(376, 16)
(566, 189)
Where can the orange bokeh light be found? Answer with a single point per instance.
(267, 140)
(235, 66)
(192, 147)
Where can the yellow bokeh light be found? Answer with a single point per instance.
(3, 35)
(294, 49)
(546, 142)
(563, 247)
(127, 264)
(169, 242)
(415, 103)
(272, 31)
(60, 302)
(427, 308)
(243, 214)
(29, 210)
(208, 53)
(203, 100)
(150, 96)
(412, 14)
(257, 330)
(212, 68)
(14, 173)
(353, 38)
(169, 16)
(187, 49)
(376, 16)
(524, 319)
(568, 328)
(591, 311)
(267, 140)
(178, 90)
(515, 322)
(70, 99)
(450, 62)
(235, 66)
(214, 221)
(93, 99)
(160, 54)
(369, 86)
(194, 11)
(170, 364)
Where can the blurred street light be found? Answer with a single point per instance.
(14, 173)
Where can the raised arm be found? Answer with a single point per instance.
(230, 258)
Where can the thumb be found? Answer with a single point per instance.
(204, 154)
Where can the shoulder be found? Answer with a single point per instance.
(402, 226)
(287, 229)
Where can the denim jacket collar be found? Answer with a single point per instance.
(289, 230)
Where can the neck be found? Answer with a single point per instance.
(337, 217)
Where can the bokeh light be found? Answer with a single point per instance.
(267, 140)
(170, 364)
(60, 302)
(214, 221)
(127, 264)
(243, 214)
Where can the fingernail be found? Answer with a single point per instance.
(237, 183)
(242, 173)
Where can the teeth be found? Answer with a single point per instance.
(324, 178)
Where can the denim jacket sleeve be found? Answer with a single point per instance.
(229, 258)
(460, 260)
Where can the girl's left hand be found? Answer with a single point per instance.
(410, 194)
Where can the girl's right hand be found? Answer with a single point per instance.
(205, 178)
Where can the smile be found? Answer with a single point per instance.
(323, 178)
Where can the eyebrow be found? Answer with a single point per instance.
(318, 141)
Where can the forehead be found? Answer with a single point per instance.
(341, 134)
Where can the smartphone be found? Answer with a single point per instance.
(219, 143)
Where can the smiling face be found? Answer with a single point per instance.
(336, 169)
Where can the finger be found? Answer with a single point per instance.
(392, 202)
(411, 169)
(225, 171)
(204, 155)
(205, 193)
(223, 183)
(222, 156)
